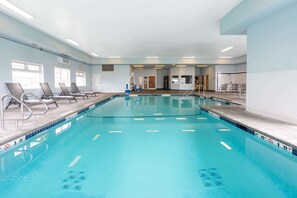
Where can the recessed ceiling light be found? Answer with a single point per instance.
(227, 49)
(16, 9)
(73, 42)
(94, 54)
(114, 57)
(189, 57)
(152, 57)
(181, 65)
(138, 66)
(159, 66)
(225, 57)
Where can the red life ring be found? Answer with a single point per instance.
(6, 146)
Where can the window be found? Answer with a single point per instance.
(80, 78)
(28, 74)
(62, 75)
(174, 80)
(186, 79)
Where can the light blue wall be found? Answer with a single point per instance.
(240, 68)
(249, 12)
(12, 51)
(272, 43)
(272, 66)
(113, 81)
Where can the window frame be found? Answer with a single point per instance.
(68, 76)
(84, 76)
(26, 70)
(187, 79)
(175, 79)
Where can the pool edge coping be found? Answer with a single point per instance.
(264, 136)
(14, 141)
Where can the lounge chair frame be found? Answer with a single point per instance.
(17, 91)
(75, 89)
(65, 92)
(48, 94)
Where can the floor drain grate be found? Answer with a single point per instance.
(210, 177)
(74, 180)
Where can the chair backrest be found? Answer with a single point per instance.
(243, 87)
(64, 89)
(224, 86)
(46, 89)
(15, 89)
(234, 87)
(74, 88)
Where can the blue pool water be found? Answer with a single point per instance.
(147, 147)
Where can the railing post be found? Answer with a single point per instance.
(2, 113)
(16, 120)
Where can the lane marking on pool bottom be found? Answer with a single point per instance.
(160, 118)
(201, 118)
(158, 114)
(115, 131)
(180, 118)
(224, 130)
(188, 130)
(138, 119)
(152, 131)
(96, 137)
(77, 158)
(226, 145)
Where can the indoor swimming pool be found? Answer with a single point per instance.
(147, 147)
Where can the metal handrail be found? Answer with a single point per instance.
(191, 90)
(186, 93)
(28, 94)
(2, 117)
(203, 88)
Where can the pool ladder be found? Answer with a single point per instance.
(193, 88)
(25, 115)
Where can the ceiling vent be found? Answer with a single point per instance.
(64, 61)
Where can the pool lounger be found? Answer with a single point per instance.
(48, 94)
(65, 92)
(17, 91)
(76, 90)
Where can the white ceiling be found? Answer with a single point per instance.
(137, 28)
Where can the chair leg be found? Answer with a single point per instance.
(56, 104)
(7, 105)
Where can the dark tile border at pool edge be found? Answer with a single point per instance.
(34, 132)
(223, 100)
(16, 140)
(250, 130)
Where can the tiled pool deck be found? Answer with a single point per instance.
(278, 130)
(65, 109)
